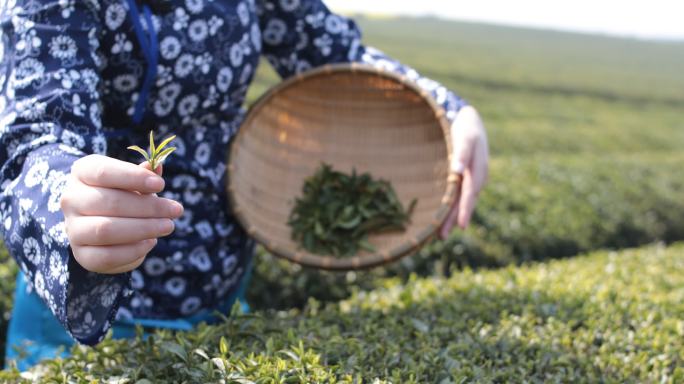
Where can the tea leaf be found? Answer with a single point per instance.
(175, 349)
(367, 246)
(351, 223)
(139, 150)
(223, 346)
(153, 150)
(165, 142)
(164, 154)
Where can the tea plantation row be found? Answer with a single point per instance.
(607, 317)
(8, 271)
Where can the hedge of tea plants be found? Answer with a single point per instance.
(606, 317)
(8, 271)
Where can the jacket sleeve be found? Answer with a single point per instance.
(50, 117)
(301, 34)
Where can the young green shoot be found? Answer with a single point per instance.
(157, 153)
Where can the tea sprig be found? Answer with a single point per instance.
(157, 153)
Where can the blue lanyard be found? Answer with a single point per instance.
(151, 52)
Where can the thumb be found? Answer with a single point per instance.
(464, 135)
(463, 144)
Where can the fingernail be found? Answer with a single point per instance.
(176, 208)
(166, 227)
(154, 183)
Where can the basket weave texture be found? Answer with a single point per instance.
(348, 116)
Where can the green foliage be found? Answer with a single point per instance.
(337, 211)
(561, 206)
(497, 56)
(607, 317)
(8, 272)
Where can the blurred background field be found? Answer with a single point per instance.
(586, 136)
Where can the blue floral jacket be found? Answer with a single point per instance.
(71, 73)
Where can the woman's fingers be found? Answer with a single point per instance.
(452, 216)
(113, 258)
(99, 230)
(113, 217)
(469, 196)
(107, 172)
(97, 201)
(471, 158)
(464, 134)
(474, 180)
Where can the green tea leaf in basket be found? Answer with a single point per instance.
(336, 212)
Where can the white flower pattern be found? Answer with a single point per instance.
(115, 16)
(184, 65)
(62, 47)
(28, 71)
(121, 44)
(170, 47)
(198, 30)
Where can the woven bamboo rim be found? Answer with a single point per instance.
(314, 117)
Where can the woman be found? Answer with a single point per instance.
(82, 80)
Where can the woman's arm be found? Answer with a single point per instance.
(300, 34)
(49, 125)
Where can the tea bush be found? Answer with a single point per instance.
(8, 271)
(606, 317)
(532, 209)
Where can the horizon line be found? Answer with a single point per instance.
(578, 31)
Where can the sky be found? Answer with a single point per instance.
(653, 19)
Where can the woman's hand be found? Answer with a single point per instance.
(471, 158)
(112, 215)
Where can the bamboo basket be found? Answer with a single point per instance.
(349, 116)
